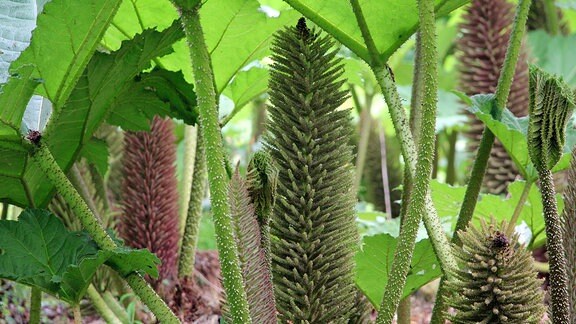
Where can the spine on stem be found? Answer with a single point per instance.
(487, 25)
(385, 80)
(417, 203)
(217, 176)
(194, 215)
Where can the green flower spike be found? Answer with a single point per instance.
(496, 282)
(313, 229)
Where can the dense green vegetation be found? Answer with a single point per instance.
(306, 141)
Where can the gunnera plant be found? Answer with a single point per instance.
(482, 46)
(150, 194)
(551, 104)
(313, 230)
(496, 281)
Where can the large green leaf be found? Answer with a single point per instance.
(237, 32)
(37, 250)
(171, 87)
(246, 86)
(68, 32)
(88, 106)
(374, 261)
(63, 42)
(390, 22)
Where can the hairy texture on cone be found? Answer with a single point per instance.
(496, 282)
(313, 229)
(482, 47)
(363, 310)
(569, 231)
(255, 267)
(373, 172)
(150, 196)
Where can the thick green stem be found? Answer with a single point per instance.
(552, 21)
(217, 178)
(77, 314)
(46, 162)
(404, 308)
(35, 305)
(386, 82)
(116, 307)
(481, 161)
(101, 307)
(555, 246)
(190, 140)
(474, 183)
(451, 157)
(52, 171)
(518, 208)
(417, 92)
(417, 203)
(191, 229)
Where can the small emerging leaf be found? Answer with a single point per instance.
(551, 104)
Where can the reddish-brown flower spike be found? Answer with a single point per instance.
(150, 197)
(482, 47)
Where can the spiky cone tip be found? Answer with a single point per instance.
(496, 281)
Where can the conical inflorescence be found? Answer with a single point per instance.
(496, 282)
(482, 47)
(313, 231)
(150, 194)
(253, 261)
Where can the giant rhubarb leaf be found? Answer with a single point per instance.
(92, 100)
(37, 250)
